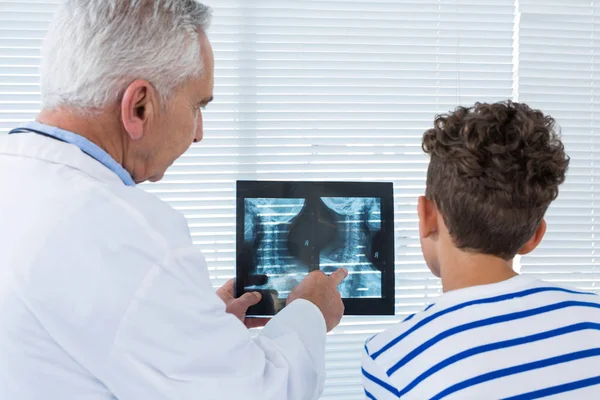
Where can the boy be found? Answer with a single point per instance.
(494, 170)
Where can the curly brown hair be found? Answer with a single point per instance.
(494, 170)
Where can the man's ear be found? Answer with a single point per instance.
(428, 217)
(137, 107)
(535, 239)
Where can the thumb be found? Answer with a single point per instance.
(248, 300)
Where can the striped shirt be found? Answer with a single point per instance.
(518, 339)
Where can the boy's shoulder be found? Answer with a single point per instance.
(474, 305)
(448, 338)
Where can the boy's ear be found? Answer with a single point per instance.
(428, 217)
(535, 239)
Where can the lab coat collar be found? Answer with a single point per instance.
(33, 145)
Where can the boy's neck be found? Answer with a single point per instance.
(462, 269)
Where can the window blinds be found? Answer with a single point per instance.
(559, 72)
(312, 90)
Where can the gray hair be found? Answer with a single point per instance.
(96, 48)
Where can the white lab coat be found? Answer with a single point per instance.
(103, 296)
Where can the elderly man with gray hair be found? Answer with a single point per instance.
(102, 293)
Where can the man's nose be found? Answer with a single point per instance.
(199, 129)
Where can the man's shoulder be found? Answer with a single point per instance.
(90, 256)
(107, 209)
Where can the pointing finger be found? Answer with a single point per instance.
(339, 275)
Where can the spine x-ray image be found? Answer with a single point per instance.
(357, 224)
(286, 238)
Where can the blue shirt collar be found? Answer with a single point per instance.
(86, 146)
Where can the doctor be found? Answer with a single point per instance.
(102, 294)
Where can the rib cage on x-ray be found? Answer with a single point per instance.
(349, 225)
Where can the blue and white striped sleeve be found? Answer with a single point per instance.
(375, 380)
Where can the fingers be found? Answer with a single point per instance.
(239, 306)
(228, 286)
(338, 275)
(226, 292)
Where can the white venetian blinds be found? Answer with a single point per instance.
(336, 90)
(312, 90)
(559, 72)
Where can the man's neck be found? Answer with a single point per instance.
(462, 269)
(105, 134)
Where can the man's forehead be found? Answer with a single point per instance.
(205, 46)
(208, 57)
(203, 86)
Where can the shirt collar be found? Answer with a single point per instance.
(85, 146)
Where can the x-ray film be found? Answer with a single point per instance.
(288, 229)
